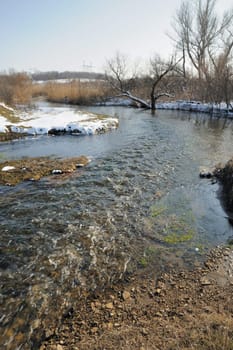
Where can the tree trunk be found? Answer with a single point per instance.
(153, 100)
(142, 103)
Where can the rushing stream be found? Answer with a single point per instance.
(138, 205)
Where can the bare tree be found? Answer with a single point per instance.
(199, 31)
(159, 69)
(120, 80)
(220, 78)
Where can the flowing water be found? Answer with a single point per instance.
(138, 206)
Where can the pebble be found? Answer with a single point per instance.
(110, 325)
(59, 347)
(144, 332)
(117, 325)
(94, 330)
(109, 306)
(126, 295)
(205, 281)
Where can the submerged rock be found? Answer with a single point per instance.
(206, 173)
(56, 132)
(57, 171)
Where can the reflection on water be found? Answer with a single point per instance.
(139, 203)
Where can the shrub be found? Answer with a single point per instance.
(15, 88)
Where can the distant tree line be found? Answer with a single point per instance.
(69, 75)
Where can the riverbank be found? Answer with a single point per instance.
(178, 310)
(225, 175)
(220, 109)
(52, 120)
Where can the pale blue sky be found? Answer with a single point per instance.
(65, 34)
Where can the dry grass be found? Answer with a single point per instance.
(9, 114)
(15, 88)
(36, 168)
(9, 136)
(74, 92)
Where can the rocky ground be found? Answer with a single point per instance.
(178, 310)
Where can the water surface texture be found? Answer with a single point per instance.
(139, 205)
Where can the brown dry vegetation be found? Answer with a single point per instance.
(9, 136)
(73, 92)
(15, 88)
(32, 169)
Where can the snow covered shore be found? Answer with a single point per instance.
(55, 120)
(195, 106)
(182, 105)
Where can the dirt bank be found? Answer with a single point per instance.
(178, 310)
(225, 175)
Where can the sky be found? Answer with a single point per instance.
(42, 35)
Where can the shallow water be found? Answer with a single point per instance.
(139, 204)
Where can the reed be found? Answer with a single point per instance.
(15, 88)
(72, 92)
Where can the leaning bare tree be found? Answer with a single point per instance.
(121, 81)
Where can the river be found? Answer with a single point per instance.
(138, 206)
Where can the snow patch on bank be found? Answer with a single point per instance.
(195, 106)
(59, 119)
(117, 101)
(2, 104)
